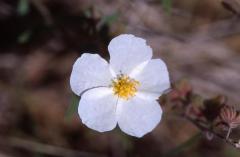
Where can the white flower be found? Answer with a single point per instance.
(123, 92)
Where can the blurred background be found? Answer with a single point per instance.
(40, 40)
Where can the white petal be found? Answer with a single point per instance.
(148, 95)
(97, 109)
(139, 116)
(90, 70)
(154, 78)
(127, 51)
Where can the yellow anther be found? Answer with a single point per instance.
(124, 86)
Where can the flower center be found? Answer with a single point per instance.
(124, 86)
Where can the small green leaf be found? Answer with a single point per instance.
(24, 37)
(167, 5)
(107, 20)
(23, 7)
(182, 147)
(87, 13)
(230, 151)
(72, 108)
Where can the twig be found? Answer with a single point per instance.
(229, 132)
(204, 128)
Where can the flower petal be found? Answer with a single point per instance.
(154, 78)
(127, 51)
(139, 116)
(97, 109)
(90, 70)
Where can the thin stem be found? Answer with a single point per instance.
(228, 133)
(205, 128)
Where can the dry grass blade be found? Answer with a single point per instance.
(232, 5)
(47, 149)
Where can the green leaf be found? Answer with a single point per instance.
(87, 13)
(167, 5)
(72, 108)
(23, 7)
(180, 148)
(107, 20)
(24, 37)
(230, 151)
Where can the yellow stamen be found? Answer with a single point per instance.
(124, 86)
